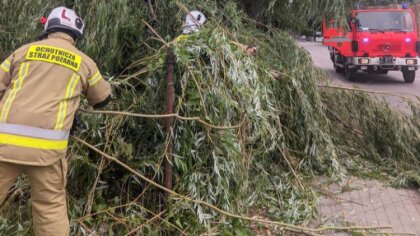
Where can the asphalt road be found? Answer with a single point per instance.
(393, 83)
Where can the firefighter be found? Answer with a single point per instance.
(40, 88)
(195, 20)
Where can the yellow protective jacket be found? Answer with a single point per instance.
(40, 88)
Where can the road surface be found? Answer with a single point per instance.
(392, 83)
(363, 202)
(370, 203)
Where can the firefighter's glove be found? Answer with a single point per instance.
(252, 50)
(78, 125)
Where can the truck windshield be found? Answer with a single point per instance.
(385, 21)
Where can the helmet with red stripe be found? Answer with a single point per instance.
(193, 21)
(65, 20)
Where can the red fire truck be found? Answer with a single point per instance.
(378, 40)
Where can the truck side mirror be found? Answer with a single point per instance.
(355, 21)
(349, 21)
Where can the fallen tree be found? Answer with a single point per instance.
(249, 133)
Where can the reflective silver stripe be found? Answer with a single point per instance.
(5, 65)
(337, 40)
(33, 132)
(92, 81)
(62, 110)
(17, 85)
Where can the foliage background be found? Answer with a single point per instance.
(292, 130)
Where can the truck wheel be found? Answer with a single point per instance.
(336, 59)
(348, 73)
(338, 69)
(409, 76)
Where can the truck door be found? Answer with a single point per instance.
(330, 29)
(336, 38)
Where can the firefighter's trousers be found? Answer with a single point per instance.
(48, 195)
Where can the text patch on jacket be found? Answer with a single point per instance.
(54, 55)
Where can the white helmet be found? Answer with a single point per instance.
(193, 22)
(64, 19)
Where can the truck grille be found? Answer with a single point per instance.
(388, 47)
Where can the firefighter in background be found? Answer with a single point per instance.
(40, 88)
(195, 20)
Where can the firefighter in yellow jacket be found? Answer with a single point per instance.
(40, 88)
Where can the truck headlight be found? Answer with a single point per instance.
(363, 61)
(411, 61)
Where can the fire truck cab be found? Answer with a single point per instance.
(378, 40)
